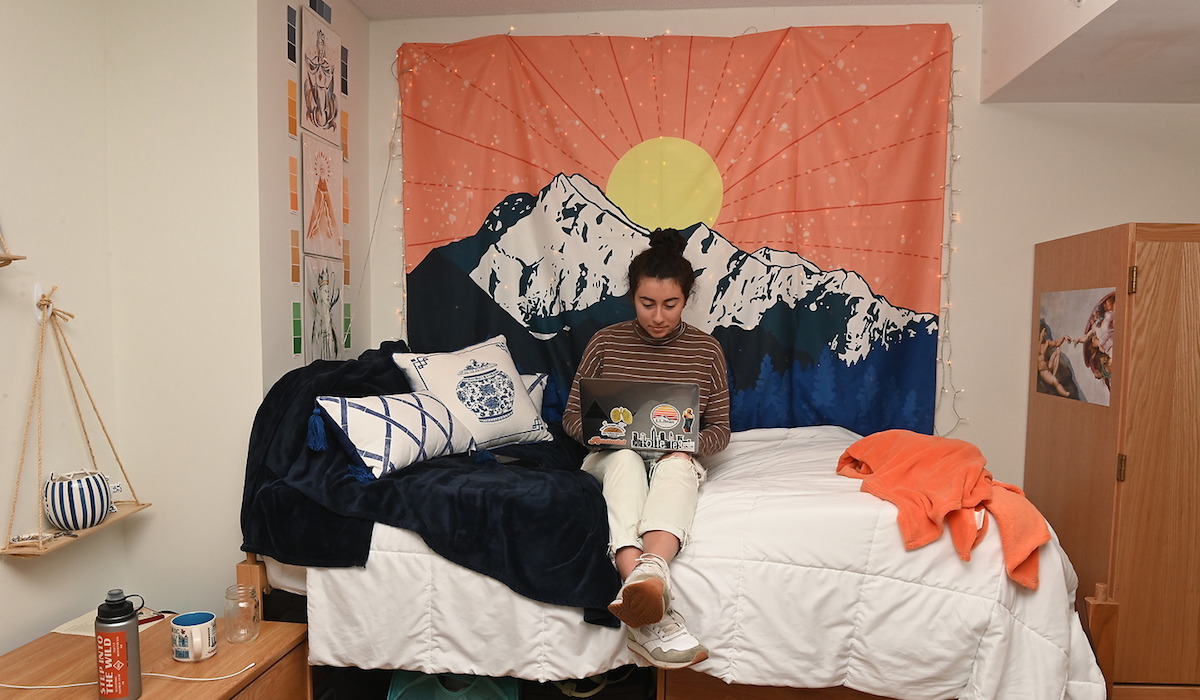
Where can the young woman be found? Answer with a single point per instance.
(652, 497)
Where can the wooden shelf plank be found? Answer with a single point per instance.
(35, 549)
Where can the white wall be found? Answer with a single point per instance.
(130, 156)
(182, 206)
(137, 139)
(53, 203)
(1027, 173)
(386, 176)
(1037, 172)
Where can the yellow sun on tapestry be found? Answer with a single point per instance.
(666, 182)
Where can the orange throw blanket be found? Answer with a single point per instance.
(940, 483)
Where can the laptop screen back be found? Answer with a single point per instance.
(640, 415)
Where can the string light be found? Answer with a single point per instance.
(396, 158)
(947, 397)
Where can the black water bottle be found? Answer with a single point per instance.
(118, 654)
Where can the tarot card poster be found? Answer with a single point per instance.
(321, 197)
(322, 309)
(1074, 354)
(320, 76)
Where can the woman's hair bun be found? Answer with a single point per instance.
(668, 240)
(663, 260)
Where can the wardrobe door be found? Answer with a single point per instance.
(1156, 578)
(1072, 445)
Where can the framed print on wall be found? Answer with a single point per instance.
(320, 76)
(322, 197)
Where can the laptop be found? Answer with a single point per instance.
(645, 416)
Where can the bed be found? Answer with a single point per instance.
(795, 578)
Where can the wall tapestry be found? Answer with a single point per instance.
(806, 166)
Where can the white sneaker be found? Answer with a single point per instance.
(666, 643)
(646, 594)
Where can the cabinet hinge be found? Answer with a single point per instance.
(1120, 467)
(1133, 279)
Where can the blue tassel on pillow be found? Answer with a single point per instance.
(316, 432)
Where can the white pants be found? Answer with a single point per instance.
(645, 495)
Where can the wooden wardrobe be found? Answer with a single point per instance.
(1117, 473)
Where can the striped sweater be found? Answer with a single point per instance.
(624, 351)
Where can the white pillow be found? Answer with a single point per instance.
(535, 384)
(482, 388)
(393, 431)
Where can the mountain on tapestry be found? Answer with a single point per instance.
(805, 346)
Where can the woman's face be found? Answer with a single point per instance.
(659, 304)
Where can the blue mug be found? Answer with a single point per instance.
(193, 636)
(78, 500)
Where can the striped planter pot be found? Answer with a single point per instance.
(77, 500)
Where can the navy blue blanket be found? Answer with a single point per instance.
(535, 522)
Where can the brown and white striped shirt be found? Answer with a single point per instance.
(688, 354)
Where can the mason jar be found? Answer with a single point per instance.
(242, 613)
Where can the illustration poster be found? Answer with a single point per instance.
(1074, 353)
(322, 197)
(320, 76)
(322, 309)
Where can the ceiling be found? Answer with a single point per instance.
(1137, 51)
(412, 9)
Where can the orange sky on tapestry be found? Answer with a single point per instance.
(826, 141)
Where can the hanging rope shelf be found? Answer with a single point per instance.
(6, 256)
(47, 540)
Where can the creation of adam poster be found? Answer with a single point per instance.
(1075, 344)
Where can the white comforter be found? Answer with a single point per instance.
(793, 577)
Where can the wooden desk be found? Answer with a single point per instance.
(279, 654)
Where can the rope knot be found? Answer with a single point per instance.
(46, 305)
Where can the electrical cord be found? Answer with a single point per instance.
(218, 678)
(46, 687)
(156, 675)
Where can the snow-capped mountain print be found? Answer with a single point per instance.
(804, 345)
